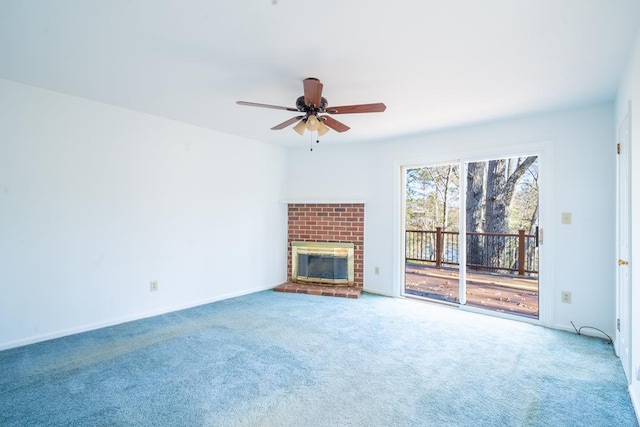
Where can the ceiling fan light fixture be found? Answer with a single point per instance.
(322, 129)
(313, 123)
(300, 127)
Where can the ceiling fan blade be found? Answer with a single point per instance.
(359, 108)
(312, 91)
(287, 123)
(334, 124)
(275, 107)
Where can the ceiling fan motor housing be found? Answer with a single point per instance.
(301, 106)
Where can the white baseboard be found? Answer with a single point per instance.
(586, 331)
(376, 291)
(116, 321)
(635, 402)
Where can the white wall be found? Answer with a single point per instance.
(579, 167)
(97, 201)
(629, 90)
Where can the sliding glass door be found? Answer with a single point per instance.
(474, 241)
(432, 229)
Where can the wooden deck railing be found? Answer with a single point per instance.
(485, 251)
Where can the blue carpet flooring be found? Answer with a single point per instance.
(277, 359)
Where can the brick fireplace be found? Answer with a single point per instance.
(327, 222)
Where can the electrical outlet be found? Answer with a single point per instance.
(566, 217)
(566, 297)
(376, 270)
(153, 286)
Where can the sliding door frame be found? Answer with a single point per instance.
(542, 149)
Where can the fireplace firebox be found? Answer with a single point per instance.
(322, 262)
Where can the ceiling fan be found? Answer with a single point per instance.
(312, 104)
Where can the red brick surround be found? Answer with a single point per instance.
(330, 222)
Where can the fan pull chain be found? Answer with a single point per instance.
(311, 140)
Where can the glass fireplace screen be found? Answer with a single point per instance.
(322, 262)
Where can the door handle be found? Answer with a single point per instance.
(622, 262)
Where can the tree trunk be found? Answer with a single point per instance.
(495, 211)
(475, 193)
(445, 199)
(499, 194)
(514, 177)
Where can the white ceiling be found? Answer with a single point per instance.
(435, 64)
